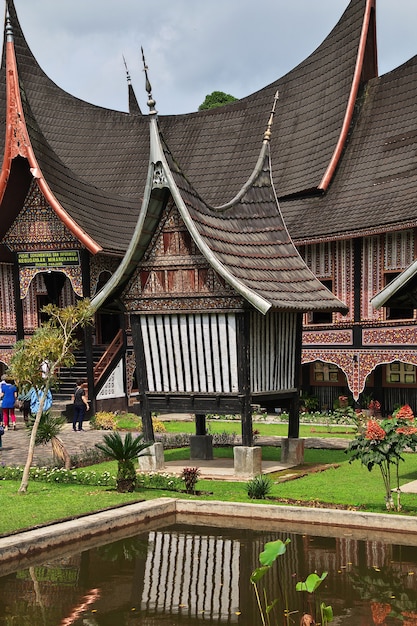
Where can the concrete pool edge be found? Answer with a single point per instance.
(138, 517)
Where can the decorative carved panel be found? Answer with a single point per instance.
(38, 227)
(175, 276)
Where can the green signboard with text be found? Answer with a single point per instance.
(60, 258)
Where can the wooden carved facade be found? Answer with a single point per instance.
(366, 339)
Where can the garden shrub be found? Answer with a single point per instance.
(163, 481)
(158, 426)
(224, 439)
(60, 475)
(88, 456)
(103, 420)
(171, 441)
(190, 477)
(259, 487)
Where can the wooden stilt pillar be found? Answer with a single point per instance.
(142, 377)
(20, 330)
(201, 444)
(243, 356)
(88, 332)
(200, 424)
(294, 411)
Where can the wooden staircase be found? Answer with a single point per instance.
(69, 375)
(104, 357)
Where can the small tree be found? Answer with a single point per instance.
(53, 343)
(216, 99)
(49, 428)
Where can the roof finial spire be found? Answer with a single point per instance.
(268, 132)
(129, 80)
(9, 29)
(151, 102)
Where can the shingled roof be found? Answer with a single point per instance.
(107, 149)
(245, 240)
(351, 166)
(374, 189)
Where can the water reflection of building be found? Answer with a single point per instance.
(192, 574)
(203, 574)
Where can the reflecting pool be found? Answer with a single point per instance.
(189, 576)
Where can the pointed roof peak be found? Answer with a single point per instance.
(134, 108)
(129, 80)
(268, 131)
(9, 29)
(151, 102)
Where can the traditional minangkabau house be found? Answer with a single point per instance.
(171, 224)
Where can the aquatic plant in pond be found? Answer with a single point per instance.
(272, 550)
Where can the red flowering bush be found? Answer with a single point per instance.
(382, 445)
(405, 413)
(374, 431)
(374, 408)
(407, 430)
(380, 611)
(343, 402)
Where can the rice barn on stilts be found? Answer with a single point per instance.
(215, 297)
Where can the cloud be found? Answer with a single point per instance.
(192, 47)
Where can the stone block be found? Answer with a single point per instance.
(247, 460)
(292, 451)
(154, 461)
(201, 447)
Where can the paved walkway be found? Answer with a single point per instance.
(15, 445)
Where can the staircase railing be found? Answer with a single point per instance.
(107, 358)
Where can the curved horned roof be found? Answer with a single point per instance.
(336, 152)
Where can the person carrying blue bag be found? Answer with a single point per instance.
(35, 398)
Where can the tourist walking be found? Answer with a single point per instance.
(9, 397)
(35, 398)
(80, 405)
(24, 398)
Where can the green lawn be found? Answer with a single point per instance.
(349, 485)
(264, 430)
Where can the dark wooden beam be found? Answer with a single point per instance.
(142, 378)
(88, 331)
(243, 365)
(294, 409)
(20, 329)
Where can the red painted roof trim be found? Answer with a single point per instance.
(17, 142)
(334, 161)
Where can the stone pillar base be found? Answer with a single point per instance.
(247, 460)
(155, 460)
(292, 451)
(201, 447)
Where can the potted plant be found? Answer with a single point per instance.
(124, 451)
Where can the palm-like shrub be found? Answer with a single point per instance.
(49, 428)
(124, 451)
(259, 487)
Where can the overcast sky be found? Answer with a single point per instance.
(192, 47)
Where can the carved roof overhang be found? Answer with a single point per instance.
(244, 241)
(18, 143)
